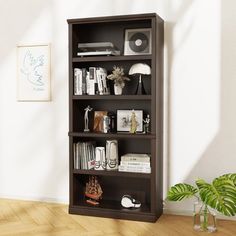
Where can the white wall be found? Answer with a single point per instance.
(200, 83)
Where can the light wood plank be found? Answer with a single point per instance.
(27, 218)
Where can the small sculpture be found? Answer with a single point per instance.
(133, 123)
(146, 124)
(93, 191)
(128, 202)
(86, 120)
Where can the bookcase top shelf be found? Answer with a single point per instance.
(133, 17)
(112, 58)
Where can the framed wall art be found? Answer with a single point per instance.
(124, 119)
(138, 41)
(33, 73)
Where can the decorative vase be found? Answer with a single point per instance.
(204, 220)
(118, 89)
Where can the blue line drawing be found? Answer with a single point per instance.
(32, 68)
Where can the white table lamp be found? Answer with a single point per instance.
(140, 69)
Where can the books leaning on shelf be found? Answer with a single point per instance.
(84, 155)
(90, 82)
(133, 162)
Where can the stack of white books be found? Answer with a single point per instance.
(133, 162)
(92, 81)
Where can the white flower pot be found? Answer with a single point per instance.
(117, 89)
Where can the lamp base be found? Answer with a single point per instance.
(140, 88)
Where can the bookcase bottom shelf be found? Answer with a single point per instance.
(113, 209)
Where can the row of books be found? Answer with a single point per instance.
(84, 155)
(90, 82)
(132, 162)
(86, 158)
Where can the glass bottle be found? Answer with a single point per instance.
(203, 219)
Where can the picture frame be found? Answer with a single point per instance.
(124, 120)
(33, 73)
(138, 41)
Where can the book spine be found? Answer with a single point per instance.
(134, 169)
(84, 74)
(77, 81)
(135, 163)
(99, 81)
(92, 80)
(138, 159)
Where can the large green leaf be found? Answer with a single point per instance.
(220, 195)
(180, 192)
(231, 177)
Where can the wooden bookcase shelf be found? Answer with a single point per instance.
(110, 135)
(112, 173)
(112, 58)
(143, 186)
(111, 97)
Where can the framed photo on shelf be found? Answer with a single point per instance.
(124, 119)
(33, 73)
(138, 41)
(98, 125)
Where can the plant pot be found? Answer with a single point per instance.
(118, 89)
(204, 220)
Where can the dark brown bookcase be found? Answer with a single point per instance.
(145, 187)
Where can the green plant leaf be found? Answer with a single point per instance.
(231, 177)
(220, 195)
(181, 191)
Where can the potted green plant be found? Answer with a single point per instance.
(119, 78)
(219, 195)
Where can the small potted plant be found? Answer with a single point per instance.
(119, 78)
(219, 195)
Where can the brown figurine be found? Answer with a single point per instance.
(93, 191)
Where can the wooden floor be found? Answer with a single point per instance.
(24, 218)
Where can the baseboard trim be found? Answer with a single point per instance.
(36, 199)
(190, 213)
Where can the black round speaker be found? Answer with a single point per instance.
(138, 42)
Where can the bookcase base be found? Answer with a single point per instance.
(115, 214)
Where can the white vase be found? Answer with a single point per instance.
(117, 89)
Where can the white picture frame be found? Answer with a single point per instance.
(33, 73)
(124, 120)
(138, 41)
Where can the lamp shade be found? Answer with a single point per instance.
(140, 68)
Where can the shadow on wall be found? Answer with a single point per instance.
(175, 14)
(213, 145)
(33, 129)
(17, 21)
(220, 155)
